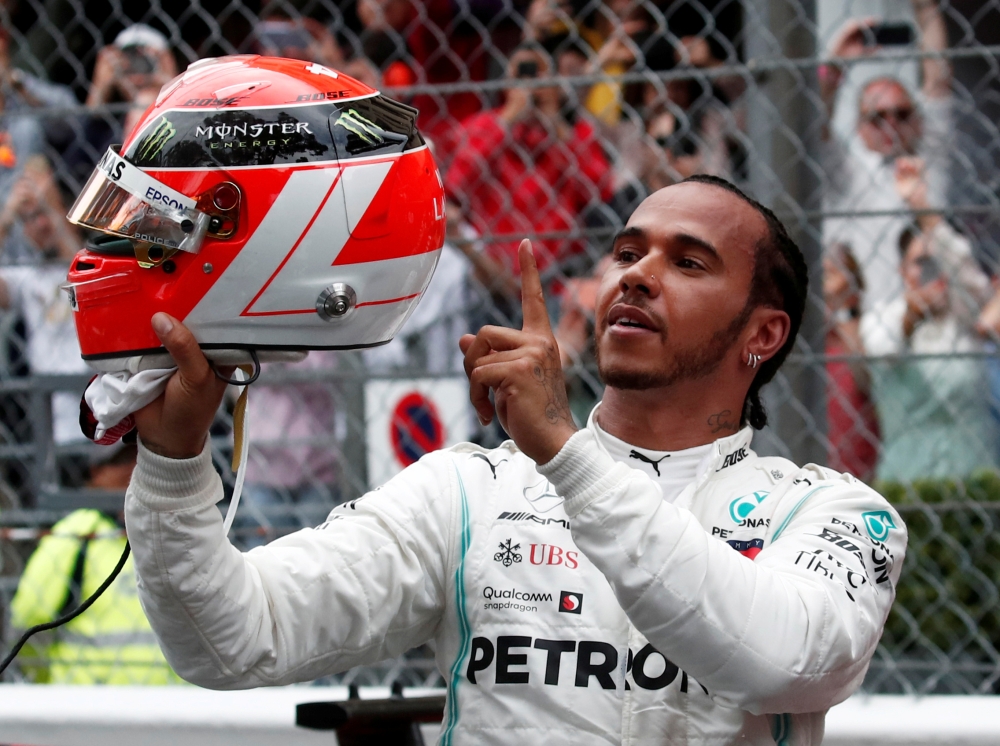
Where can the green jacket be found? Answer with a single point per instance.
(111, 642)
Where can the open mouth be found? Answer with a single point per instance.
(629, 317)
(630, 323)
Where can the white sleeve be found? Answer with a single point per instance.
(882, 328)
(771, 635)
(967, 277)
(366, 585)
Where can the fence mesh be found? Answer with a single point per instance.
(875, 142)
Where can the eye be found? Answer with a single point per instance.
(689, 263)
(626, 256)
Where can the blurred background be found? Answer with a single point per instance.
(869, 127)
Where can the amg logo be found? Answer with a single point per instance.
(734, 458)
(506, 516)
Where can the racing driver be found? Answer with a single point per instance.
(647, 579)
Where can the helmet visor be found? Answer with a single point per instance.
(122, 200)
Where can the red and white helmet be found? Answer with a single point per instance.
(269, 204)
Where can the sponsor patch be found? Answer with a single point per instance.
(878, 523)
(508, 555)
(570, 602)
(742, 506)
(749, 548)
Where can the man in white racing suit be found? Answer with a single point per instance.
(645, 580)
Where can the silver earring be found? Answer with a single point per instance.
(752, 360)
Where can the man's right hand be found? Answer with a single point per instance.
(176, 424)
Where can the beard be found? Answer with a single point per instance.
(687, 364)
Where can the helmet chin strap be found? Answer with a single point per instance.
(253, 375)
(241, 437)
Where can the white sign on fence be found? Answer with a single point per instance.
(407, 418)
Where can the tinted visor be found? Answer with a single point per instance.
(122, 200)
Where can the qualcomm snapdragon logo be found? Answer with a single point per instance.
(878, 523)
(741, 507)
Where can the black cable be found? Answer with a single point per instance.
(71, 615)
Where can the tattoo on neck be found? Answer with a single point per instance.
(721, 421)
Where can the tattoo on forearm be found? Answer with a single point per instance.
(721, 421)
(557, 407)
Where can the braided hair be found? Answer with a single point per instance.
(780, 280)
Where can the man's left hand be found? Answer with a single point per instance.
(524, 371)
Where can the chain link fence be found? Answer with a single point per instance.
(874, 140)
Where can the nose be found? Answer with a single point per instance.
(641, 277)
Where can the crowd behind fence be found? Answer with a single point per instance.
(874, 140)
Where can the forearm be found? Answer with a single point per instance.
(759, 638)
(933, 38)
(183, 562)
(292, 611)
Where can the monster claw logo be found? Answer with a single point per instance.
(155, 140)
(366, 129)
(507, 555)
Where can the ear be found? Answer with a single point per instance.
(767, 332)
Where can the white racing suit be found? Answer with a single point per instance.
(568, 603)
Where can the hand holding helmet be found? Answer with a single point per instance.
(176, 424)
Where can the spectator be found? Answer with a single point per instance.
(667, 155)
(550, 22)
(307, 39)
(112, 642)
(24, 91)
(37, 211)
(524, 169)
(139, 58)
(27, 94)
(852, 424)
(700, 52)
(891, 123)
(292, 466)
(632, 40)
(21, 140)
(439, 47)
(935, 421)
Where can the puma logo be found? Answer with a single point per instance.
(493, 467)
(643, 457)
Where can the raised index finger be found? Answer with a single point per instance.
(536, 315)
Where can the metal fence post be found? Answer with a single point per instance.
(353, 451)
(784, 123)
